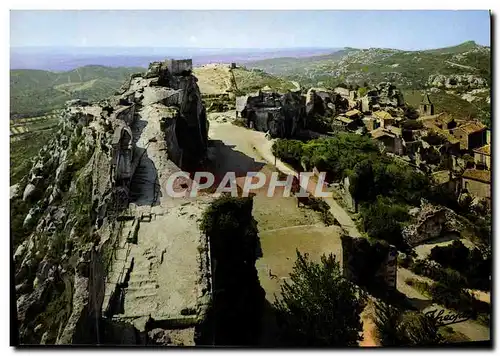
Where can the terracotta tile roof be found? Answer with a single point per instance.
(471, 127)
(443, 133)
(485, 150)
(380, 132)
(382, 115)
(343, 119)
(477, 174)
(441, 118)
(353, 112)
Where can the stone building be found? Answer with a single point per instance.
(446, 181)
(371, 123)
(282, 115)
(179, 66)
(426, 107)
(471, 135)
(477, 183)
(442, 121)
(384, 118)
(482, 156)
(391, 138)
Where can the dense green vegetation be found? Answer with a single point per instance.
(384, 188)
(336, 156)
(384, 218)
(35, 92)
(370, 257)
(396, 327)
(471, 264)
(319, 307)
(23, 150)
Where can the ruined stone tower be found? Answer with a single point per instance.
(426, 107)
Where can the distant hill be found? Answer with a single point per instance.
(410, 69)
(36, 92)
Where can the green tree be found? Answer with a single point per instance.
(398, 328)
(411, 113)
(383, 219)
(362, 91)
(319, 307)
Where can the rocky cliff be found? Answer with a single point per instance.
(67, 215)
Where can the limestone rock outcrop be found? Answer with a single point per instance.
(65, 211)
(429, 222)
(384, 95)
(279, 114)
(324, 102)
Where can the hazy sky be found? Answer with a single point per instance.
(249, 29)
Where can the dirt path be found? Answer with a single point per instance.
(256, 145)
(264, 147)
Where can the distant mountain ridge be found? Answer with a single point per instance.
(57, 59)
(410, 69)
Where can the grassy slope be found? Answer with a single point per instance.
(251, 80)
(35, 92)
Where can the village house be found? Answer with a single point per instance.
(353, 114)
(442, 121)
(384, 118)
(390, 137)
(344, 122)
(482, 157)
(446, 182)
(471, 135)
(477, 183)
(371, 123)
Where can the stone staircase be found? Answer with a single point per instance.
(121, 265)
(141, 290)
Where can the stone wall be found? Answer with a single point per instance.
(477, 188)
(369, 264)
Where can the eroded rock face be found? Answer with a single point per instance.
(279, 114)
(457, 81)
(385, 95)
(430, 222)
(79, 184)
(324, 102)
